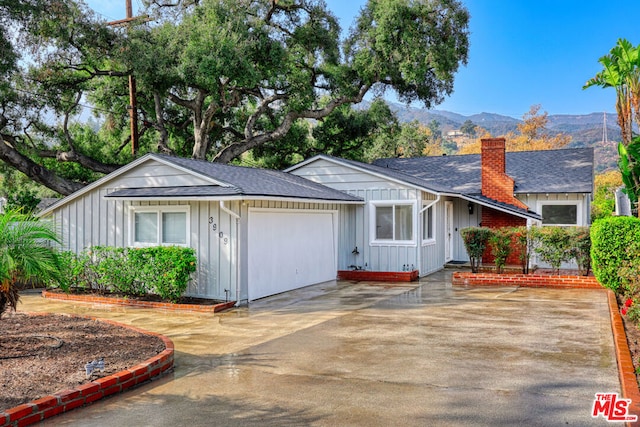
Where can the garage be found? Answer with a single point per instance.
(290, 249)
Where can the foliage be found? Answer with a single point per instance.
(26, 255)
(629, 274)
(350, 133)
(523, 240)
(605, 185)
(215, 78)
(468, 128)
(621, 70)
(475, 241)
(629, 164)
(531, 135)
(552, 245)
(613, 243)
(500, 243)
(164, 270)
(24, 201)
(580, 248)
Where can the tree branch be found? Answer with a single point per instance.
(38, 173)
(233, 150)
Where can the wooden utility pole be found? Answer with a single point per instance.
(133, 105)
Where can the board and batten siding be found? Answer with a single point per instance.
(355, 219)
(92, 220)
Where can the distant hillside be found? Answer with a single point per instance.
(585, 130)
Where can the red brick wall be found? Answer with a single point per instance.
(496, 184)
(495, 219)
(524, 280)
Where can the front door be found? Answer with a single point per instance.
(448, 231)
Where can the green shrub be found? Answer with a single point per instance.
(164, 270)
(613, 246)
(523, 243)
(580, 242)
(500, 241)
(553, 245)
(475, 241)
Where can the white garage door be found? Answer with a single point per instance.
(289, 250)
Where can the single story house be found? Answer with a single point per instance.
(261, 232)
(415, 207)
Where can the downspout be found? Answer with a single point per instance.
(237, 248)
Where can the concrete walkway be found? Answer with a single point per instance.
(339, 354)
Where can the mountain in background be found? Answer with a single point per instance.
(585, 130)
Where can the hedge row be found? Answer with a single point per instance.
(164, 270)
(554, 245)
(616, 253)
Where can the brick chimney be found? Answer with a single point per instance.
(496, 184)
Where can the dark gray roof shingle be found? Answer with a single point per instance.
(551, 171)
(241, 181)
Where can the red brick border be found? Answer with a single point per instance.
(66, 400)
(378, 276)
(626, 372)
(96, 299)
(524, 280)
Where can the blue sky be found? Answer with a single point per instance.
(522, 52)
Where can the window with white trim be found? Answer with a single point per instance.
(560, 213)
(428, 225)
(159, 225)
(392, 222)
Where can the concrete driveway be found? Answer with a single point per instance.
(338, 354)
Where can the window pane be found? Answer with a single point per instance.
(384, 222)
(427, 226)
(174, 227)
(404, 222)
(559, 214)
(146, 227)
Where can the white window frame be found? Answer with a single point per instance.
(158, 210)
(576, 203)
(392, 203)
(429, 240)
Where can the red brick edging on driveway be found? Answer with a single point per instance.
(626, 371)
(96, 299)
(525, 280)
(66, 400)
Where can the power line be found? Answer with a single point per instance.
(67, 102)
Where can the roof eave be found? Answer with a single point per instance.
(236, 198)
(364, 170)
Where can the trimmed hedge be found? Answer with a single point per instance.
(613, 245)
(162, 270)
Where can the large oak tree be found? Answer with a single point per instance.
(215, 78)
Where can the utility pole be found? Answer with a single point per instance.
(133, 105)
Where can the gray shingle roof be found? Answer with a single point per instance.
(551, 171)
(241, 181)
